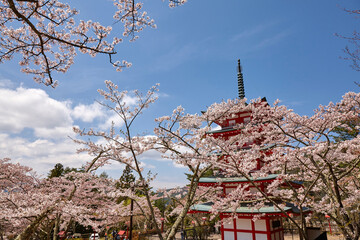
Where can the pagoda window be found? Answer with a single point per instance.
(229, 190)
(232, 123)
(248, 144)
(253, 190)
(276, 224)
(247, 120)
(244, 114)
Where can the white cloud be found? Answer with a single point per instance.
(177, 165)
(129, 100)
(87, 113)
(152, 155)
(31, 108)
(35, 130)
(274, 39)
(110, 120)
(6, 83)
(41, 154)
(162, 94)
(149, 166)
(262, 36)
(48, 118)
(168, 183)
(55, 132)
(294, 103)
(259, 29)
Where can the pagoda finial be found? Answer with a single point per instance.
(240, 82)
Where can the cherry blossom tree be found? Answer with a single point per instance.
(31, 205)
(292, 147)
(177, 141)
(317, 170)
(181, 139)
(305, 151)
(120, 145)
(177, 199)
(298, 149)
(47, 34)
(13, 178)
(239, 156)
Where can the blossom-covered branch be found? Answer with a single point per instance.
(47, 34)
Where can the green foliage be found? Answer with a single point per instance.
(127, 178)
(348, 132)
(125, 181)
(104, 175)
(59, 171)
(208, 173)
(161, 205)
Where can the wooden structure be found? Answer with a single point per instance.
(269, 226)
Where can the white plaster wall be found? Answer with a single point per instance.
(244, 236)
(228, 223)
(260, 236)
(260, 225)
(229, 235)
(244, 224)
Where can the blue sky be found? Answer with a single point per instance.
(288, 50)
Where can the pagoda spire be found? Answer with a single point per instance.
(241, 89)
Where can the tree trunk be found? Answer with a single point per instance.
(29, 230)
(183, 213)
(131, 218)
(48, 231)
(56, 227)
(70, 226)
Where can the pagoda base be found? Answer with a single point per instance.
(242, 227)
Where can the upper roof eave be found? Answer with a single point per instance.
(235, 179)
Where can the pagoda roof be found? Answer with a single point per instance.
(206, 207)
(270, 209)
(235, 179)
(222, 130)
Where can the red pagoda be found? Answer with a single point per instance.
(239, 225)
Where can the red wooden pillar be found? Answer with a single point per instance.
(222, 227)
(235, 233)
(282, 229)
(253, 229)
(268, 229)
